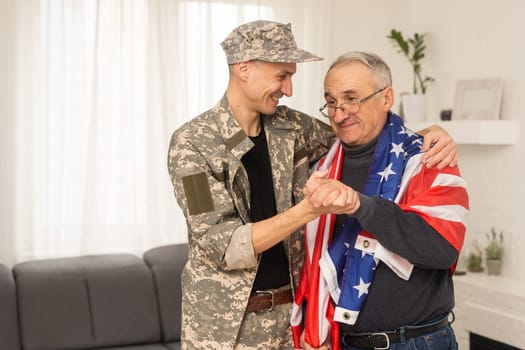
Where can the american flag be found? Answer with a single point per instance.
(342, 268)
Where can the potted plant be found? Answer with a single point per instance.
(475, 258)
(494, 252)
(413, 106)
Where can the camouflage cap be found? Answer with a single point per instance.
(266, 41)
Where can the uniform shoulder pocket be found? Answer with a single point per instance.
(198, 194)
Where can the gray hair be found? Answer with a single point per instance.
(377, 66)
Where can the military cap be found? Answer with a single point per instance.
(266, 41)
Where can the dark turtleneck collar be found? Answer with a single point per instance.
(360, 153)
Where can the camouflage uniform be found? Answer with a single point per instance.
(212, 188)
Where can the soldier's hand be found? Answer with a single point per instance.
(439, 147)
(313, 182)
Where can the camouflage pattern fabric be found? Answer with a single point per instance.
(265, 41)
(212, 188)
(273, 330)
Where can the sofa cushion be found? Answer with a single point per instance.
(166, 263)
(173, 346)
(9, 334)
(86, 302)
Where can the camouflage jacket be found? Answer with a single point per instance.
(212, 188)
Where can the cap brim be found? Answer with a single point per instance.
(295, 55)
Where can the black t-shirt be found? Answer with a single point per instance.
(273, 269)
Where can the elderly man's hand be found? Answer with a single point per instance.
(330, 196)
(440, 149)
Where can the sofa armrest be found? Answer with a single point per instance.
(9, 332)
(166, 263)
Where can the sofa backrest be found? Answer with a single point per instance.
(166, 263)
(9, 334)
(86, 302)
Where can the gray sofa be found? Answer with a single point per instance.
(103, 302)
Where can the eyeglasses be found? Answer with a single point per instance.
(348, 106)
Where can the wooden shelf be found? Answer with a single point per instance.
(476, 132)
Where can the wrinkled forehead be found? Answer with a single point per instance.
(348, 79)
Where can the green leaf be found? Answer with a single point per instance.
(397, 38)
(413, 48)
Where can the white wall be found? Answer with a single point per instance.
(467, 39)
(6, 136)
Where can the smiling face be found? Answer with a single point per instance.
(267, 83)
(354, 81)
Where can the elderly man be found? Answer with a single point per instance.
(238, 171)
(378, 272)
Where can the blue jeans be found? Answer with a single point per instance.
(442, 339)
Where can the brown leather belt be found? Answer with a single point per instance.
(266, 300)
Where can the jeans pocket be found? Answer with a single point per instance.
(442, 339)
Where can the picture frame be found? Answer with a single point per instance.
(477, 99)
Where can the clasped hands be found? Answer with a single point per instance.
(330, 196)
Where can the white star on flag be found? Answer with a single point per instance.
(417, 141)
(376, 260)
(397, 148)
(406, 131)
(387, 172)
(362, 287)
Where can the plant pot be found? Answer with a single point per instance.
(493, 266)
(475, 268)
(414, 107)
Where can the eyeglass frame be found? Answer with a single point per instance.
(354, 102)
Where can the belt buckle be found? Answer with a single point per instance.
(268, 292)
(387, 340)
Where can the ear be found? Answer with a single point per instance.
(242, 70)
(389, 99)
